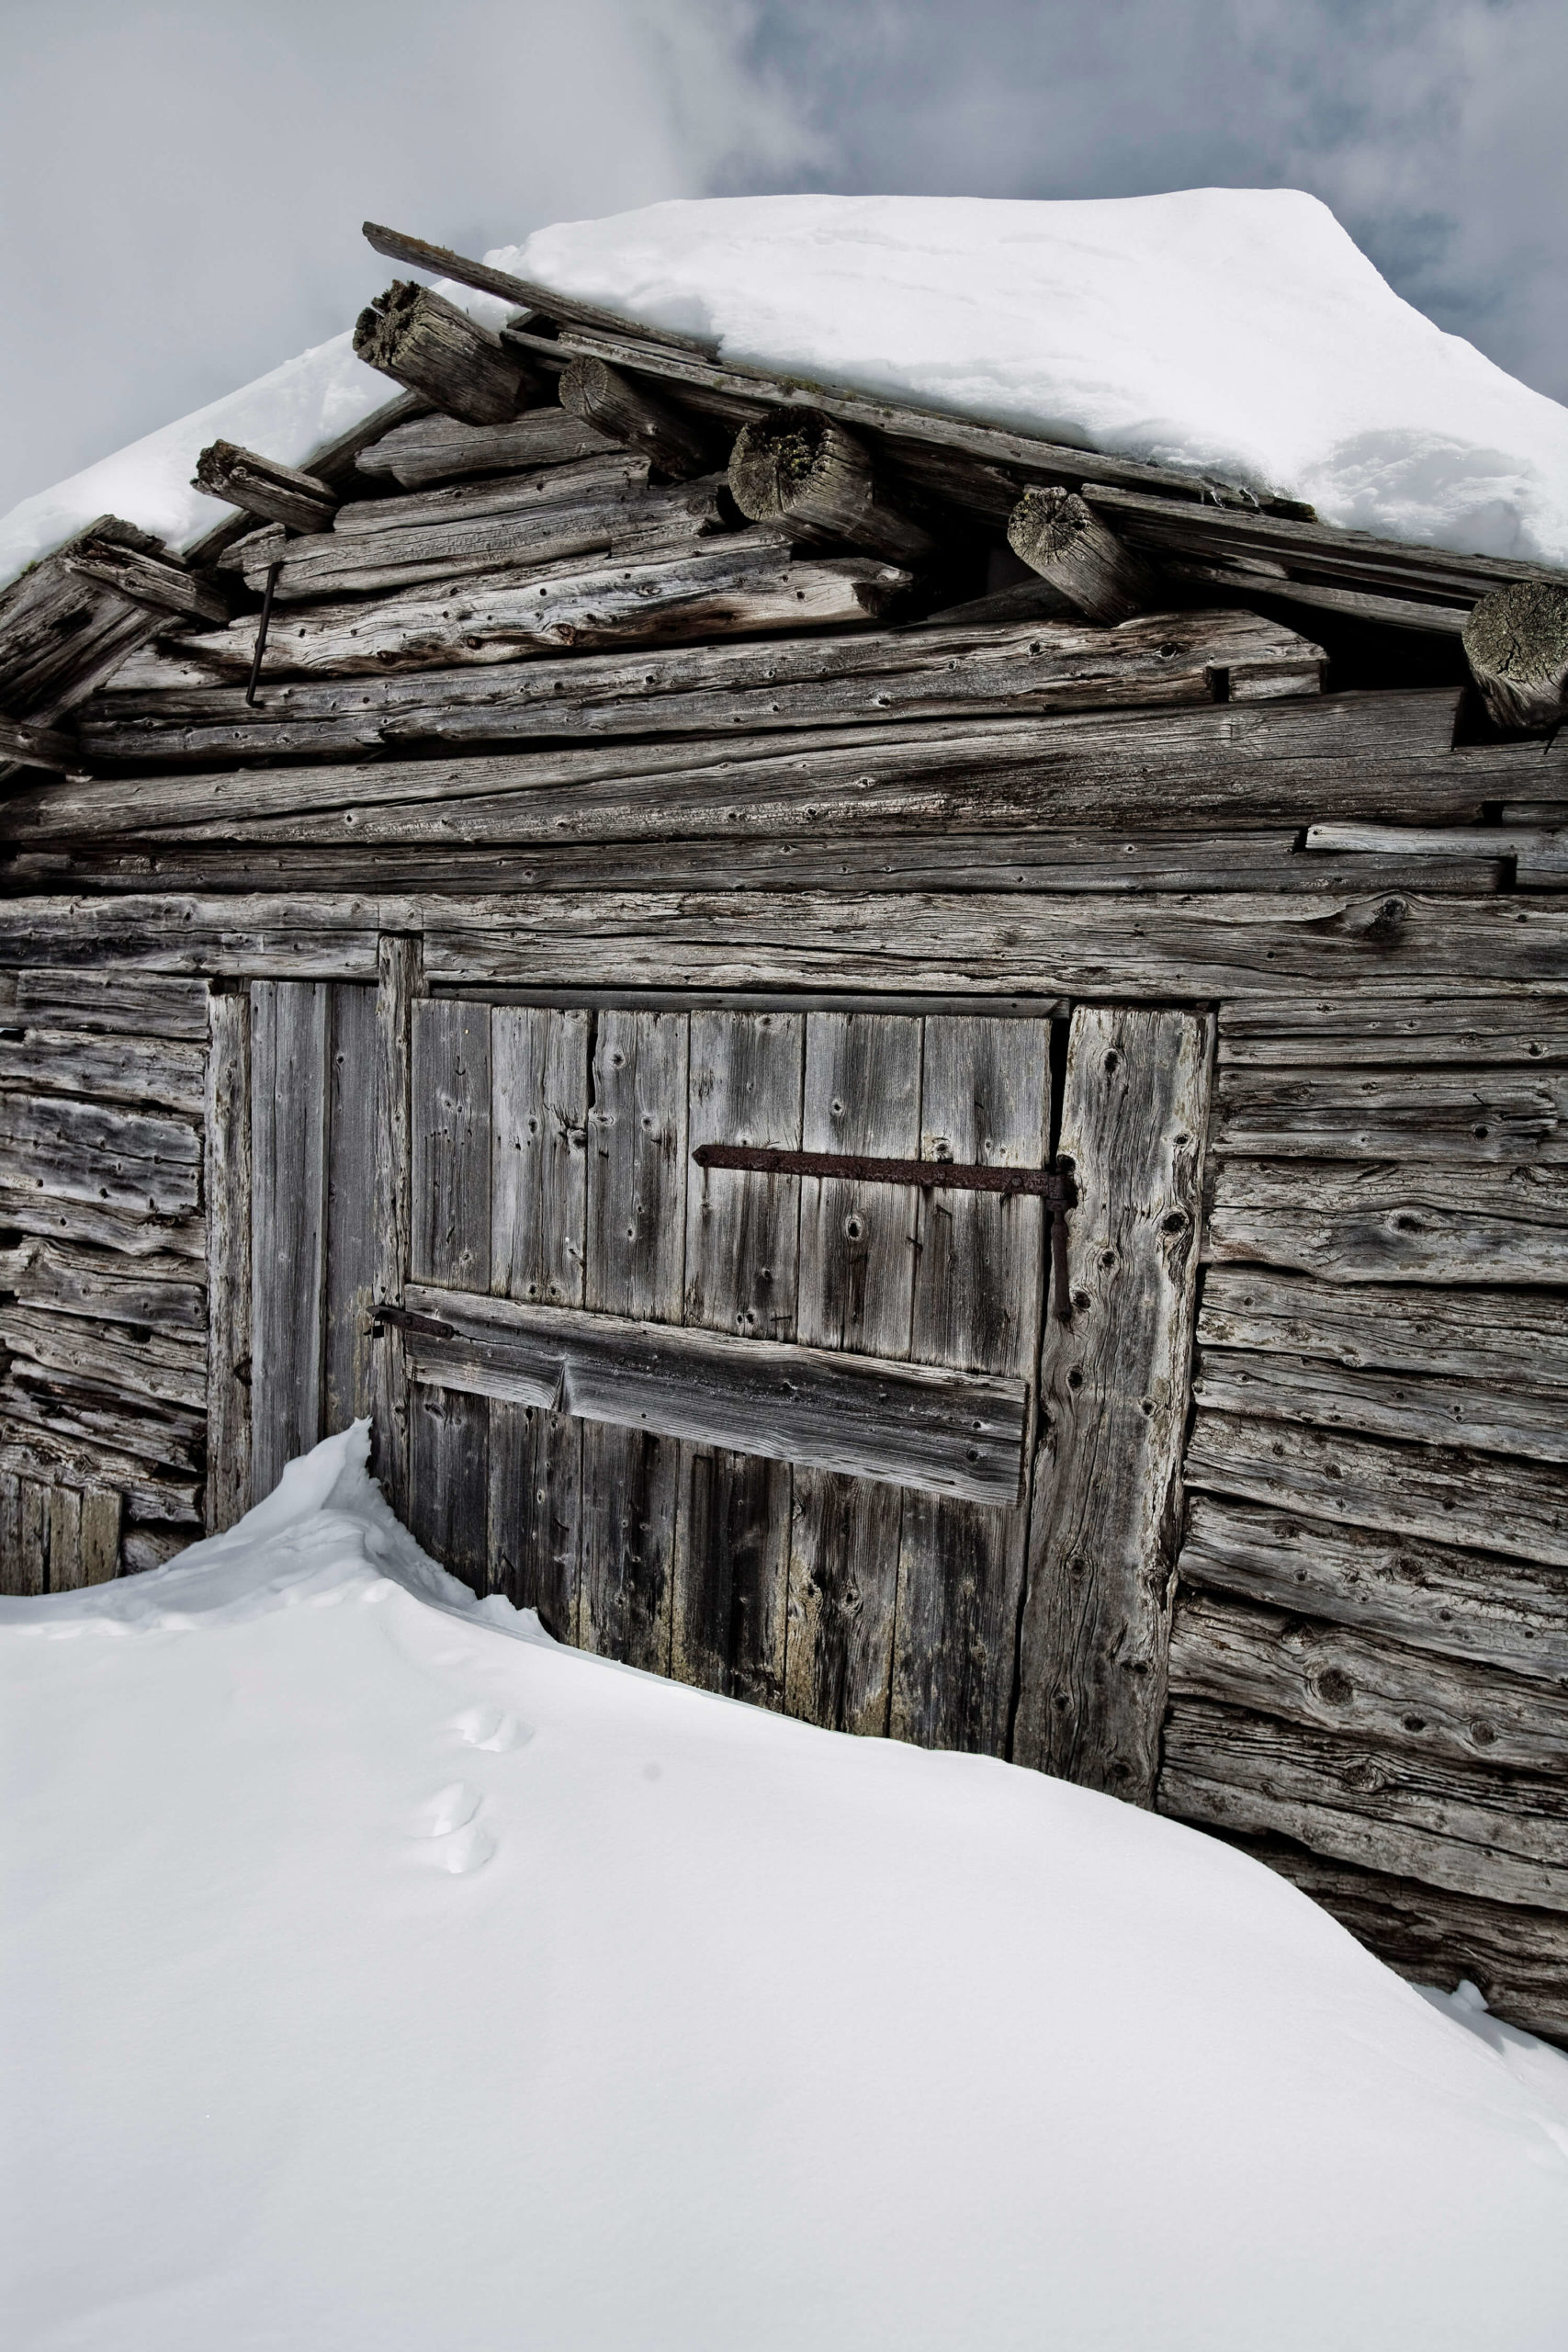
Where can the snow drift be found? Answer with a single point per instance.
(377, 1972)
(1226, 331)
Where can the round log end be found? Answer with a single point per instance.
(774, 461)
(1516, 644)
(1046, 523)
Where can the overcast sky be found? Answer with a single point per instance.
(184, 182)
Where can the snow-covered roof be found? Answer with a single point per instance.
(1232, 332)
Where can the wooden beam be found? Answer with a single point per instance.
(438, 448)
(399, 981)
(944, 1432)
(157, 580)
(229, 1290)
(37, 747)
(606, 399)
(1516, 644)
(261, 486)
(1501, 1338)
(415, 253)
(1303, 1389)
(1113, 1384)
(1066, 543)
(807, 472)
(1475, 1221)
(288, 1175)
(422, 341)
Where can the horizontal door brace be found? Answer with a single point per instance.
(1053, 1185)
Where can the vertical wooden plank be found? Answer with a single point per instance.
(398, 983)
(100, 1534)
(352, 1145)
(1115, 1380)
(288, 1132)
(227, 1188)
(538, 1206)
(979, 1287)
(449, 1434)
(635, 1261)
(451, 1143)
(65, 1569)
(857, 1269)
(12, 1580)
(742, 1245)
(32, 1536)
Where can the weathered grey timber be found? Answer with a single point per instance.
(443, 448)
(1498, 1336)
(61, 632)
(67, 1277)
(420, 339)
(1516, 644)
(90, 1151)
(449, 1431)
(862, 1095)
(635, 1267)
(229, 1295)
(159, 580)
(1067, 544)
(1384, 1404)
(801, 469)
(1262, 761)
(37, 747)
(353, 1154)
(1481, 1222)
(290, 1027)
(121, 1002)
(746, 581)
(1458, 1024)
(1114, 1384)
(1468, 1114)
(125, 1357)
(398, 980)
(32, 1208)
(979, 1293)
(600, 395)
(1503, 1835)
(719, 688)
(261, 486)
(1468, 1604)
(110, 1069)
(943, 1433)
(1520, 1508)
(729, 1585)
(599, 475)
(1337, 1678)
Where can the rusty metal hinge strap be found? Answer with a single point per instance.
(1052, 1185)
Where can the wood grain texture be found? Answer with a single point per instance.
(1107, 1505)
(1500, 1835)
(1439, 1027)
(1511, 1613)
(635, 1267)
(1343, 1681)
(857, 1262)
(145, 1161)
(1493, 1336)
(66, 1571)
(979, 1287)
(443, 448)
(289, 1032)
(107, 1069)
(354, 1146)
(1516, 1507)
(944, 1432)
(1351, 1112)
(37, 1211)
(229, 1174)
(119, 1003)
(730, 1583)
(398, 982)
(1481, 1222)
(449, 1429)
(101, 1517)
(539, 1082)
(165, 1292)
(1480, 1415)
(126, 1359)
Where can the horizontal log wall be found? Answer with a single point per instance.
(1369, 1666)
(103, 1273)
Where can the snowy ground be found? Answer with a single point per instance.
(1237, 332)
(379, 1977)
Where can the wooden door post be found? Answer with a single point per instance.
(1113, 1388)
(227, 1183)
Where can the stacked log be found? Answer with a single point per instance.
(261, 486)
(422, 341)
(801, 470)
(1516, 643)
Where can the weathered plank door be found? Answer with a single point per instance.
(816, 1496)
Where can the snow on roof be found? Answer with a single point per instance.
(1230, 331)
(373, 1976)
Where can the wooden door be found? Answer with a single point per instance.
(816, 1496)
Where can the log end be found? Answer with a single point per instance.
(773, 460)
(1516, 641)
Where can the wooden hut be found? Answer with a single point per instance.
(918, 1076)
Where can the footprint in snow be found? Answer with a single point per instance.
(454, 1839)
(489, 1729)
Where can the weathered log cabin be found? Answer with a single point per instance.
(917, 1075)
